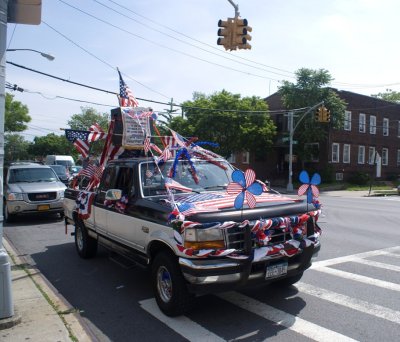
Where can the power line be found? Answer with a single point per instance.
(167, 47)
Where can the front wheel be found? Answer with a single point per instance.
(86, 246)
(172, 295)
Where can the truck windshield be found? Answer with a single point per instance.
(210, 176)
(32, 175)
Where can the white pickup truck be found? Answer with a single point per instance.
(197, 242)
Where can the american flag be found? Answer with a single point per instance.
(90, 171)
(73, 134)
(146, 144)
(126, 98)
(188, 209)
(96, 133)
(172, 184)
(82, 147)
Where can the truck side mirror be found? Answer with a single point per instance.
(113, 194)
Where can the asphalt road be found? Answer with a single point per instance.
(351, 292)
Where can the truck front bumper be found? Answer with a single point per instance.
(223, 274)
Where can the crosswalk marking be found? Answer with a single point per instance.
(348, 258)
(289, 321)
(352, 303)
(182, 325)
(360, 278)
(378, 264)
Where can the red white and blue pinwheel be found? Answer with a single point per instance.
(245, 186)
(309, 187)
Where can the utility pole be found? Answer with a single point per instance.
(6, 302)
(291, 133)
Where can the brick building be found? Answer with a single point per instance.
(371, 130)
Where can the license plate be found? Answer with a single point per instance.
(276, 270)
(43, 207)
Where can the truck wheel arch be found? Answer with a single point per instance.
(157, 246)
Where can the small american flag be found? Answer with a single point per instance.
(126, 98)
(146, 144)
(82, 147)
(96, 133)
(89, 171)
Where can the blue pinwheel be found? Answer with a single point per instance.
(309, 186)
(245, 186)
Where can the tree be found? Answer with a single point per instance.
(390, 95)
(235, 123)
(51, 144)
(88, 117)
(311, 88)
(15, 148)
(16, 115)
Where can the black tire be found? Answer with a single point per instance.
(8, 218)
(286, 282)
(169, 285)
(86, 246)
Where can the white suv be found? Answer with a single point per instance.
(32, 188)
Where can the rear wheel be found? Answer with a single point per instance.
(172, 295)
(86, 246)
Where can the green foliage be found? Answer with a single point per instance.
(229, 122)
(50, 144)
(390, 95)
(15, 148)
(311, 88)
(359, 178)
(84, 120)
(16, 115)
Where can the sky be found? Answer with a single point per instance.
(166, 49)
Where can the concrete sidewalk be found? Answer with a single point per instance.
(41, 313)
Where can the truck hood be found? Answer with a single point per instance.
(36, 187)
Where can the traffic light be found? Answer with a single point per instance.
(327, 115)
(226, 33)
(241, 35)
(318, 115)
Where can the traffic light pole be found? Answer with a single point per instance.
(292, 129)
(6, 301)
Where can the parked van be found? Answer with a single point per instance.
(67, 161)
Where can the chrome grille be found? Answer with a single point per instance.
(42, 196)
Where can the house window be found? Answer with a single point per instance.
(347, 120)
(371, 155)
(372, 124)
(232, 158)
(312, 152)
(346, 153)
(362, 123)
(361, 154)
(398, 157)
(385, 127)
(385, 156)
(246, 157)
(335, 153)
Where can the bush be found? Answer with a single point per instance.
(359, 178)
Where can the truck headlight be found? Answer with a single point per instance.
(211, 238)
(15, 196)
(61, 193)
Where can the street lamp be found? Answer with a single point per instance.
(45, 55)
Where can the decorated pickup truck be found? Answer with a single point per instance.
(199, 224)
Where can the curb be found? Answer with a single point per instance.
(70, 317)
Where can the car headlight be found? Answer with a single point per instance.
(61, 193)
(15, 196)
(211, 238)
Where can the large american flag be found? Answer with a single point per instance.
(126, 98)
(81, 139)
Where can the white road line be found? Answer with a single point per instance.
(392, 255)
(362, 279)
(352, 303)
(348, 258)
(378, 264)
(289, 321)
(182, 325)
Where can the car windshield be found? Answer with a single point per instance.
(75, 169)
(210, 176)
(59, 169)
(32, 175)
(66, 163)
